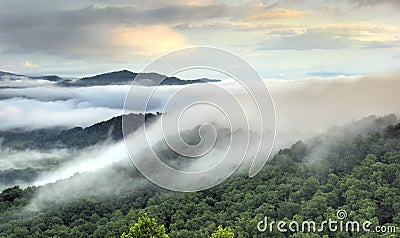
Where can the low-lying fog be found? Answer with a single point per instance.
(303, 109)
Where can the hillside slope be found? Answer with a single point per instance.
(360, 176)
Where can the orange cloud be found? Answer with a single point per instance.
(276, 13)
(148, 40)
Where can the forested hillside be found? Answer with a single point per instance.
(77, 137)
(359, 175)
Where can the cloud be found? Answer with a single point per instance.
(275, 13)
(321, 39)
(311, 104)
(109, 15)
(44, 107)
(148, 40)
(101, 42)
(369, 3)
(21, 81)
(319, 103)
(364, 32)
(120, 31)
(307, 41)
(33, 114)
(95, 32)
(303, 108)
(31, 158)
(246, 26)
(27, 64)
(87, 160)
(98, 96)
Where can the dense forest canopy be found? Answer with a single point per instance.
(359, 175)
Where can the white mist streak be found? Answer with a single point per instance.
(87, 160)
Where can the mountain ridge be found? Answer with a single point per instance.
(77, 137)
(122, 77)
(53, 78)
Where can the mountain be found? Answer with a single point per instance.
(125, 77)
(53, 78)
(77, 137)
(207, 80)
(2, 73)
(358, 176)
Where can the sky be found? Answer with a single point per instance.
(286, 39)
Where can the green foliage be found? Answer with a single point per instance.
(76, 137)
(361, 176)
(13, 176)
(146, 227)
(223, 233)
(10, 194)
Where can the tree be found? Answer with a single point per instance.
(299, 151)
(223, 233)
(146, 227)
(10, 194)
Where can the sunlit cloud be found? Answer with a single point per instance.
(148, 40)
(364, 32)
(276, 13)
(27, 64)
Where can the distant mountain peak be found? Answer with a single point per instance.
(126, 77)
(121, 77)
